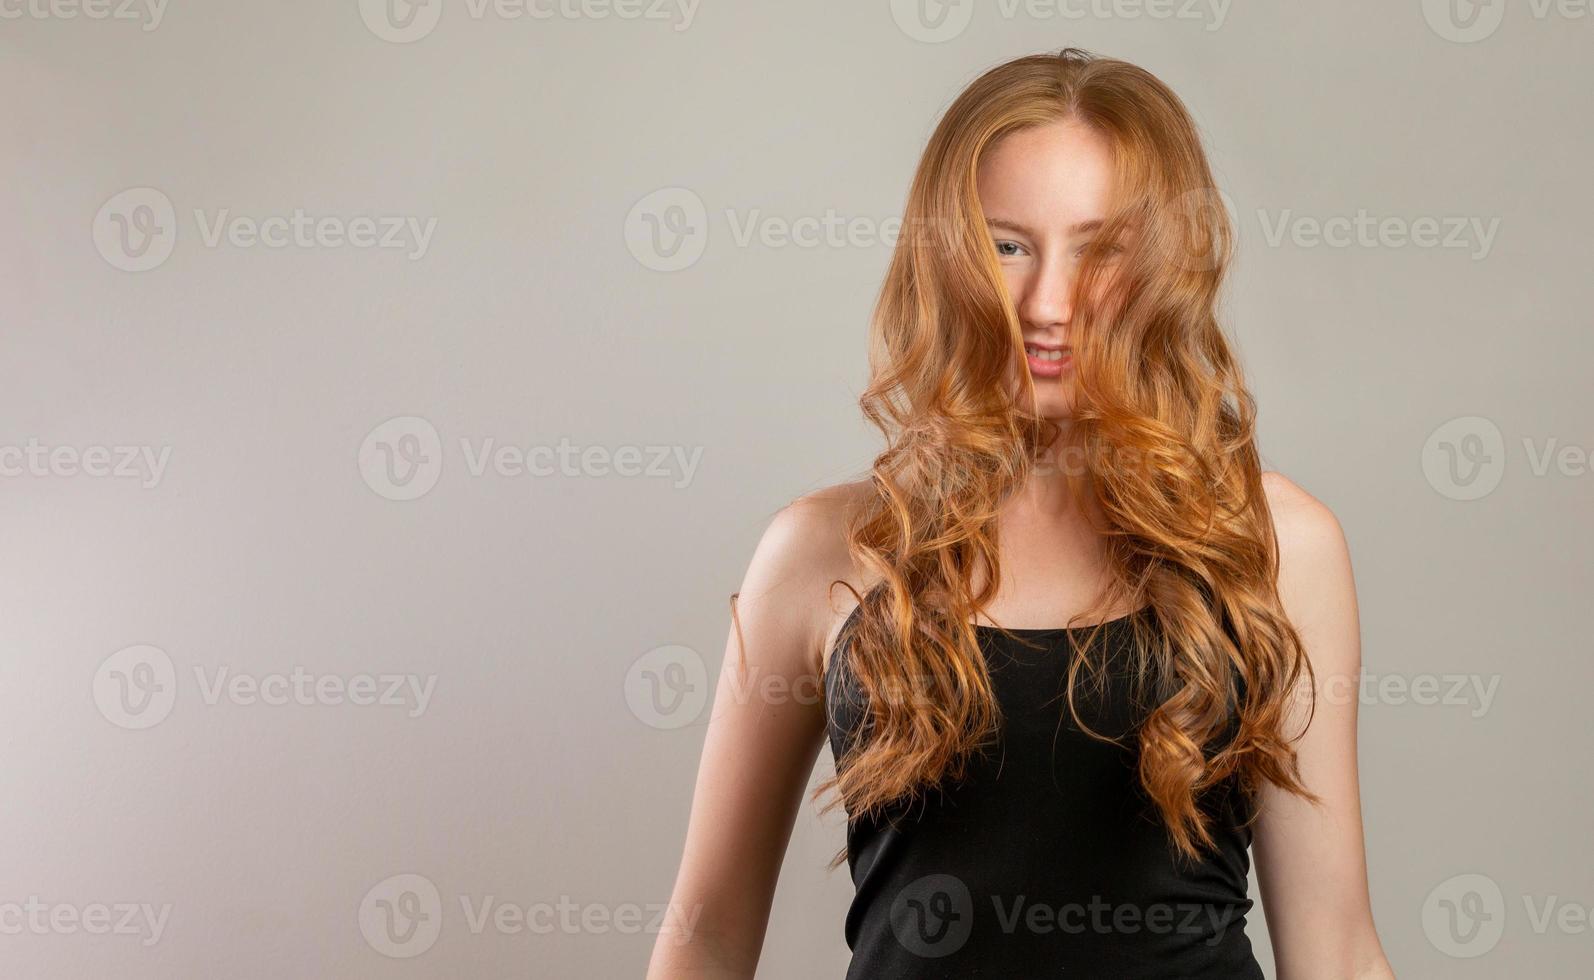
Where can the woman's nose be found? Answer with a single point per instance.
(1048, 296)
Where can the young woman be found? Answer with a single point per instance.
(1068, 631)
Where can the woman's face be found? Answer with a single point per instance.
(1045, 191)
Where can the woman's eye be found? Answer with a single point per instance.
(1007, 249)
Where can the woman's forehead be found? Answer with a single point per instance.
(1056, 177)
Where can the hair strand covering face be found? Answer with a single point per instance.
(1165, 431)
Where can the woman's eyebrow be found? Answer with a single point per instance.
(1083, 228)
(1006, 225)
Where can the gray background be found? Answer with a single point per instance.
(537, 771)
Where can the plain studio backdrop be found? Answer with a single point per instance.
(393, 395)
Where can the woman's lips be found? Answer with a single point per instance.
(1048, 362)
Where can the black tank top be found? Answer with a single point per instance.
(1047, 859)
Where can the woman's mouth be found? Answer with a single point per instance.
(1048, 362)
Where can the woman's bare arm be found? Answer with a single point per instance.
(1311, 860)
(764, 734)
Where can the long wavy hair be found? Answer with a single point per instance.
(1165, 433)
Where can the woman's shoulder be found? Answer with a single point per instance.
(804, 558)
(1306, 529)
(810, 534)
(1315, 580)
